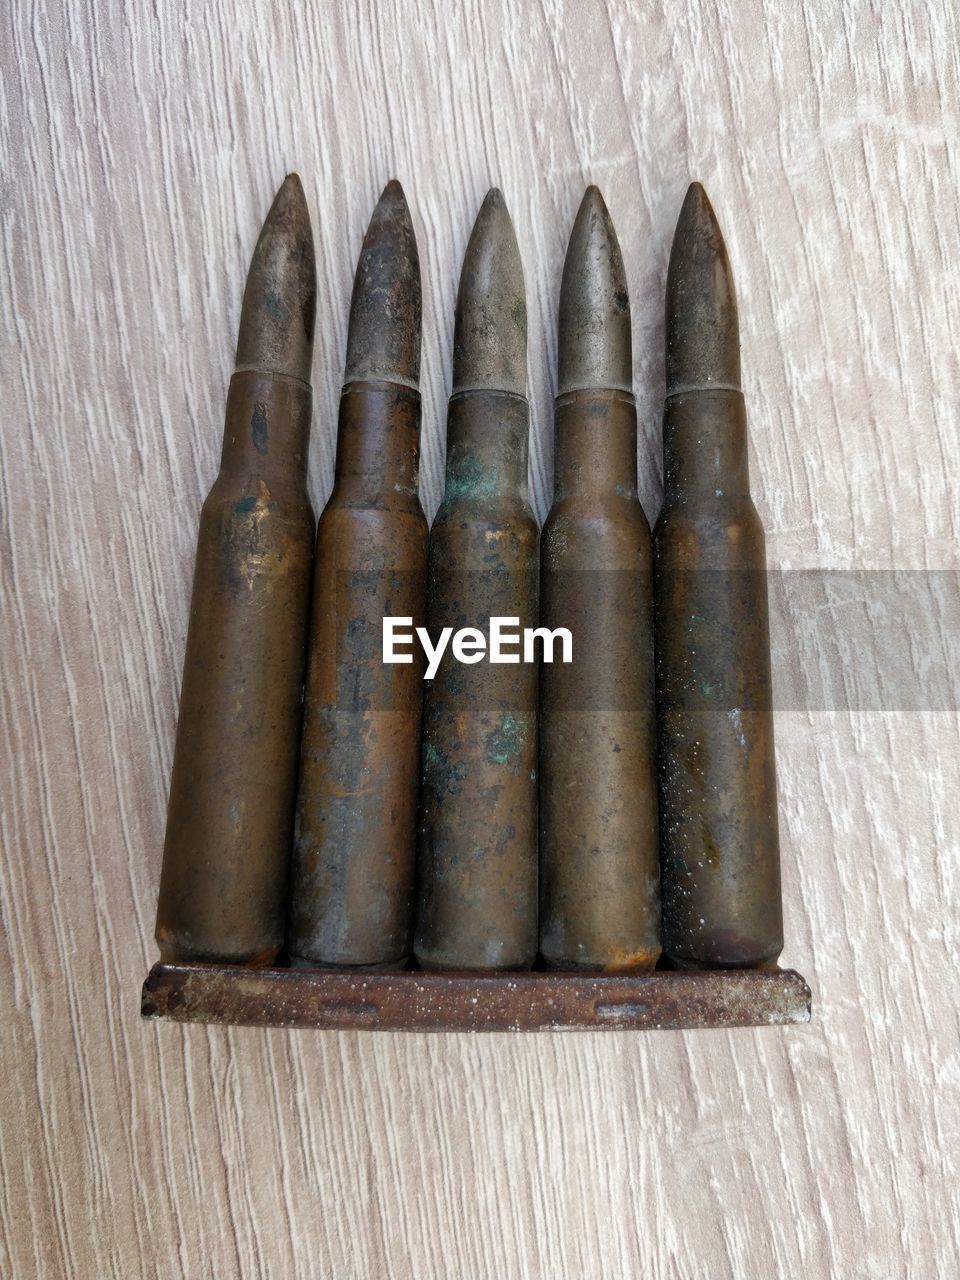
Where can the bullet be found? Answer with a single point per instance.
(230, 816)
(351, 896)
(719, 843)
(477, 867)
(599, 860)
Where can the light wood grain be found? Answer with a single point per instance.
(141, 145)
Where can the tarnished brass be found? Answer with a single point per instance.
(351, 892)
(230, 816)
(719, 839)
(599, 867)
(477, 868)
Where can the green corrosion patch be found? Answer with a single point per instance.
(258, 427)
(444, 777)
(362, 641)
(505, 742)
(275, 306)
(249, 504)
(466, 478)
(519, 313)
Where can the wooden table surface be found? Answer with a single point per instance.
(141, 147)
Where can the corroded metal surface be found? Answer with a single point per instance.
(490, 331)
(280, 298)
(351, 893)
(599, 865)
(410, 1001)
(477, 850)
(383, 341)
(230, 815)
(720, 857)
(594, 347)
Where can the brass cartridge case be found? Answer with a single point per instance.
(477, 851)
(352, 887)
(351, 896)
(599, 863)
(477, 898)
(718, 802)
(230, 814)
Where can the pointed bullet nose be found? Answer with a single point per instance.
(594, 348)
(280, 298)
(289, 206)
(490, 334)
(696, 203)
(291, 193)
(383, 340)
(391, 210)
(703, 330)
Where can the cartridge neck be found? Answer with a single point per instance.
(267, 427)
(486, 446)
(705, 444)
(378, 443)
(596, 444)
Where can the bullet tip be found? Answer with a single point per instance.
(490, 333)
(383, 340)
(594, 341)
(702, 325)
(593, 203)
(392, 193)
(290, 200)
(697, 215)
(280, 297)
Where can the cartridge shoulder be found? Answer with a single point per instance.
(611, 534)
(496, 511)
(248, 500)
(494, 538)
(253, 543)
(716, 531)
(397, 504)
(371, 537)
(613, 510)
